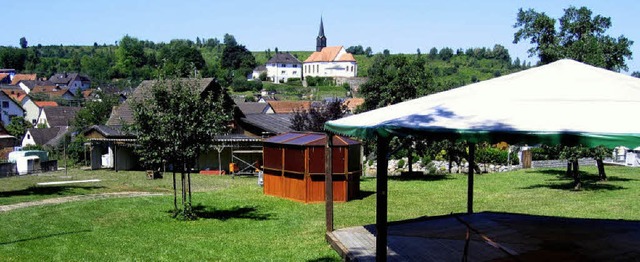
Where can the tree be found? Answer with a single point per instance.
(18, 127)
(368, 52)
(356, 50)
(174, 124)
(179, 57)
(636, 74)
(314, 118)
(393, 79)
(14, 58)
(572, 154)
(129, 56)
(95, 112)
(23, 42)
(580, 37)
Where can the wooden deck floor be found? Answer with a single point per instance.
(495, 237)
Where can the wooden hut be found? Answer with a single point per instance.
(294, 167)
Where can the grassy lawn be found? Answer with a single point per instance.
(239, 223)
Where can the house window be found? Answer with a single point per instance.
(283, 72)
(284, 65)
(34, 121)
(5, 104)
(295, 72)
(295, 66)
(273, 64)
(28, 136)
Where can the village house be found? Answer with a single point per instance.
(10, 109)
(329, 61)
(71, 81)
(44, 136)
(56, 116)
(111, 147)
(22, 77)
(33, 109)
(282, 67)
(28, 85)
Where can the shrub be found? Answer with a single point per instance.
(401, 163)
(490, 155)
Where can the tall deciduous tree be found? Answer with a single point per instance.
(393, 79)
(175, 124)
(314, 118)
(129, 56)
(23, 42)
(580, 36)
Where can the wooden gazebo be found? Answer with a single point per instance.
(294, 167)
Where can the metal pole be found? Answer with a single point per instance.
(472, 152)
(328, 181)
(381, 199)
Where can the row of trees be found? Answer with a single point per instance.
(134, 59)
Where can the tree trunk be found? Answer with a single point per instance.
(189, 179)
(410, 160)
(450, 154)
(184, 194)
(576, 176)
(569, 173)
(175, 193)
(601, 173)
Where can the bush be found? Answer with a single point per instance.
(401, 163)
(319, 81)
(490, 155)
(294, 82)
(240, 84)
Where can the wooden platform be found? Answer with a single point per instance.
(495, 236)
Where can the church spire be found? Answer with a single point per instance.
(321, 40)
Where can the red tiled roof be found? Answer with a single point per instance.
(327, 54)
(15, 94)
(44, 89)
(3, 75)
(19, 77)
(352, 103)
(46, 103)
(286, 107)
(347, 57)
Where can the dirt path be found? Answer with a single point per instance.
(53, 201)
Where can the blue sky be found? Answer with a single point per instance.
(400, 26)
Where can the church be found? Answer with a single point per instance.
(329, 61)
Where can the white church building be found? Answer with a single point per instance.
(329, 61)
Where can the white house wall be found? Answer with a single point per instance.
(331, 69)
(277, 72)
(28, 140)
(42, 119)
(12, 109)
(32, 111)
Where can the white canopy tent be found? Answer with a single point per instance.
(565, 102)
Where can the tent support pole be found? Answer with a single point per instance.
(381, 198)
(472, 164)
(328, 181)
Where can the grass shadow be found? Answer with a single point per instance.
(364, 194)
(590, 182)
(46, 190)
(421, 177)
(323, 259)
(237, 212)
(45, 236)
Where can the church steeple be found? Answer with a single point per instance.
(321, 40)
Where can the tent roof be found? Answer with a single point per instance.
(565, 102)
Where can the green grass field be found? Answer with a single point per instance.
(238, 223)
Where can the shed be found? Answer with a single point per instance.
(294, 167)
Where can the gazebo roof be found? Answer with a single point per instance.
(565, 102)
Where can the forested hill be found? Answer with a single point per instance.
(131, 60)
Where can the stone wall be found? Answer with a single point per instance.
(561, 163)
(354, 82)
